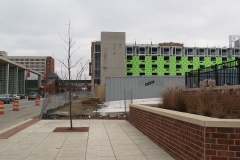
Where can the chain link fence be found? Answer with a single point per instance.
(52, 103)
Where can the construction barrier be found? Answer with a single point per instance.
(15, 105)
(37, 102)
(1, 107)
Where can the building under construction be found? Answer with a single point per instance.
(111, 56)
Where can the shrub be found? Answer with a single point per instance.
(167, 99)
(206, 97)
(192, 103)
(206, 101)
(173, 98)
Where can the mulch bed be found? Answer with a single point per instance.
(74, 129)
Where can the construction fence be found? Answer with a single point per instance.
(56, 101)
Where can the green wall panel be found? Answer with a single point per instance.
(169, 66)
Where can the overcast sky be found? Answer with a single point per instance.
(32, 27)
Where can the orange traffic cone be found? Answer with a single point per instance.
(37, 102)
(15, 105)
(1, 107)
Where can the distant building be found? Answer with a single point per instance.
(237, 43)
(111, 56)
(41, 64)
(108, 57)
(3, 54)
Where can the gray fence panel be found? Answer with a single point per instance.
(141, 86)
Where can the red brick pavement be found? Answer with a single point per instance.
(17, 129)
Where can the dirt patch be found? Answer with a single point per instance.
(78, 109)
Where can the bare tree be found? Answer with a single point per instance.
(68, 46)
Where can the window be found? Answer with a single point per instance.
(154, 50)
(190, 49)
(166, 66)
(142, 74)
(141, 57)
(178, 49)
(166, 73)
(142, 49)
(142, 66)
(166, 58)
(129, 74)
(154, 58)
(202, 66)
(201, 58)
(129, 50)
(166, 49)
(154, 73)
(190, 58)
(97, 48)
(129, 65)
(129, 57)
(178, 74)
(224, 59)
(178, 58)
(178, 66)
(213, 58)
(190, 66)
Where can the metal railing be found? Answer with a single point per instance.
(225, 73)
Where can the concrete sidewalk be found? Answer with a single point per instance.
(106, 140)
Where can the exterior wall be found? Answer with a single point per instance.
(138, 87)
(49, 65)
(112, 54)
(3, 53)
(99, 91)
(36, 63)
(186, 136)
(172, 66)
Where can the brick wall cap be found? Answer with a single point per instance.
(191, 118)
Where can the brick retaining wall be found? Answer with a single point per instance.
(185, 136)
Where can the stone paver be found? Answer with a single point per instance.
(106, 140)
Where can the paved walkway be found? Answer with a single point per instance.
(106, 140)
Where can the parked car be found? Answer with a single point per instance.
(33, 95)
(16, 97)
(6, 98)
(21, 96)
